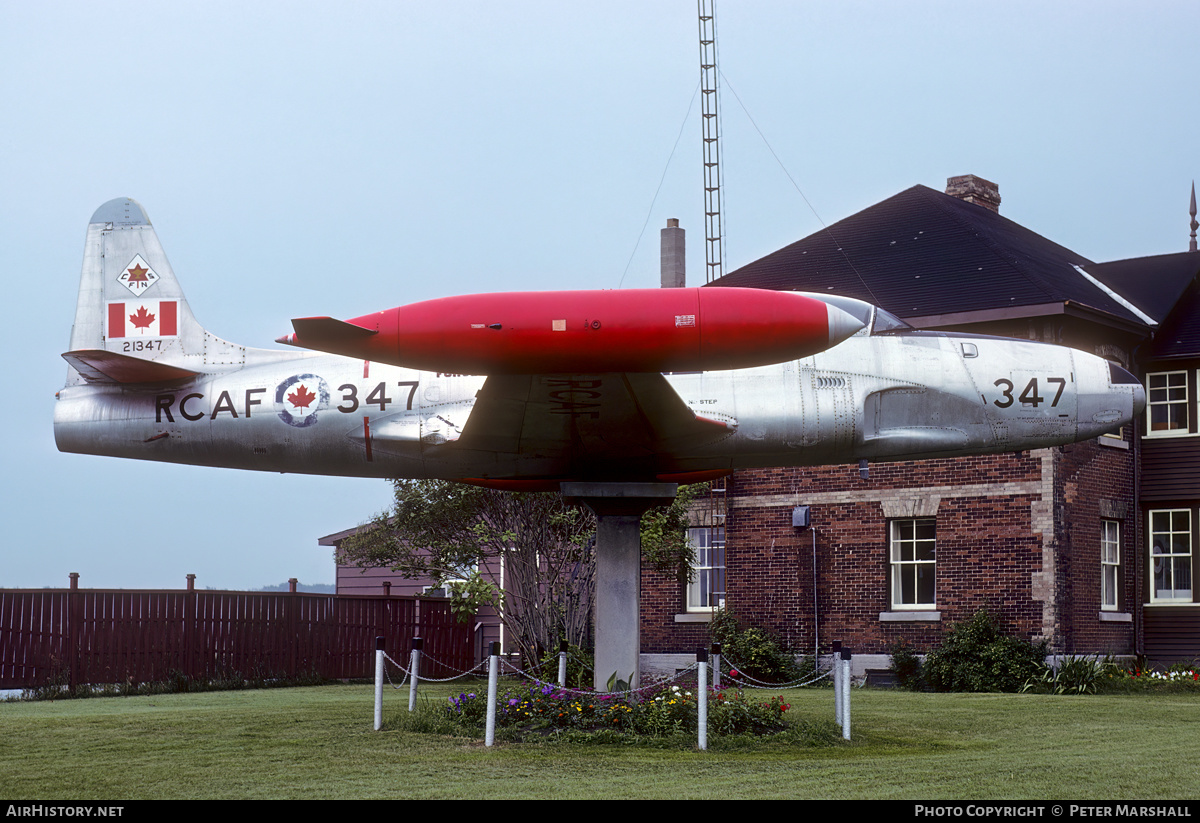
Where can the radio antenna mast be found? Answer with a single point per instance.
(714, 242)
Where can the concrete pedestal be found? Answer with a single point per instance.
(619, 508)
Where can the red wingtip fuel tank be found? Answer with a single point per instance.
(633, 330)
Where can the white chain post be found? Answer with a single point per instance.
(415, 668)
(835, 674)
(378, 683)
(493, 677)
(846, 693)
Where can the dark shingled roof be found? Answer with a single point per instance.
(924, 253)
(1164, 287)
(1153, 284)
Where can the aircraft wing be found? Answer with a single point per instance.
(611, 417)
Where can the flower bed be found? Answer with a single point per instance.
(1087, 675)
(1179, 677)
(659, 712)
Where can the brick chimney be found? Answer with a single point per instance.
(975, 190)
(671, 259)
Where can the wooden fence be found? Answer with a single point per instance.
(73, 636)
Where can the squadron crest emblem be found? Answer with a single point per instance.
(138, 276)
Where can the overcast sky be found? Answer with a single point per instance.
(301, 158)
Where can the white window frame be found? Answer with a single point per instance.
(1172, 393)
(1169, 532)
(1110, 565)
(707, 589)
(908, 560)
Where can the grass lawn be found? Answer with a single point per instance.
(318, 743)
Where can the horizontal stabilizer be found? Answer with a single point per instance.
(99, 366)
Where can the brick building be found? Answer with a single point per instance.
(1086, 546)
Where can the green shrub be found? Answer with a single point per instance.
(733, 713)
(1072, 675)
(977, 656)
(754, 653)
(579, 667)
(906, 665)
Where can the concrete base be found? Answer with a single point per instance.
(619, 508)
(665, 665)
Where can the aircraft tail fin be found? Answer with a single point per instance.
(132, 321)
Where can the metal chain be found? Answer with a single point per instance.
(750, 682)
(479, 670)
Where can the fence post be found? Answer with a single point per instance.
(191, 653)
(293, 619)
(414, 669)
(73, 621)
(562, 663)
(716, 665)
(493, 676)
(702, 710)
(378, 683)
(846, 693)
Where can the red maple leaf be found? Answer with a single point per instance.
(142, 318)
(301, 397)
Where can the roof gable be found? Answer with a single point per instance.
(921, 252)
(1153, 284)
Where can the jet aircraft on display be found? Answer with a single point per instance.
(528, 390)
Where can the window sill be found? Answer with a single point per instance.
(1112, 442)
(1116, 617)
(694, 617)
(910, 617)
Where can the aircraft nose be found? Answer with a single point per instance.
(1109, 396)
(842, 324)
(1118, 376)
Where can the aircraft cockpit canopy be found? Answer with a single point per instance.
(885, 321)
(874, 319)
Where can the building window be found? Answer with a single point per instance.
(912, 561)
(1167, 411)
(1110, 563)
(1171, 555)
(707, 589)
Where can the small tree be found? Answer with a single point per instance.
(461, 536)
(665, 542)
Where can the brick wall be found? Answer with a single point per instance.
(1016, 533)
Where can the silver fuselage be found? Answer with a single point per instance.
(880, 397)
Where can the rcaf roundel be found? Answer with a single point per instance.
(299, 398)
(143, 318)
